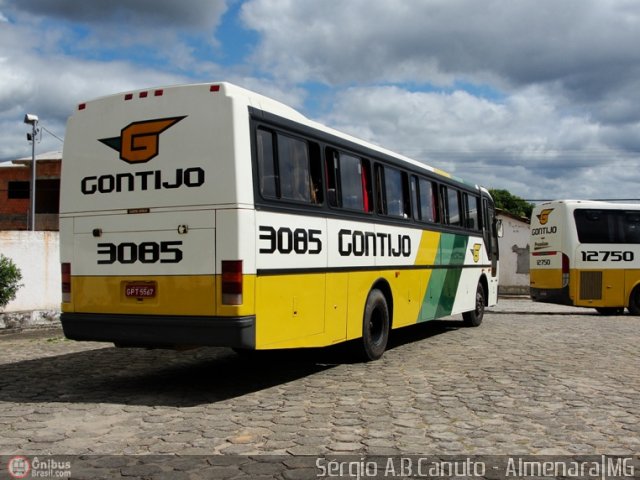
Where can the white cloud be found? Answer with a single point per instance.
(536, 97)
(560, 112)
(52, 87)
(523, 143)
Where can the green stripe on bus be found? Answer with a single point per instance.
(443, 283)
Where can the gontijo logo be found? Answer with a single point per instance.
(476, 252)
(544, 216)
(139, 142)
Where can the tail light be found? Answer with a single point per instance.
(565, 270)
(232, 282)
(66, 282)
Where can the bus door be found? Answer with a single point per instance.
(490, 236)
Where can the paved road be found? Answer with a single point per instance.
(533, 379)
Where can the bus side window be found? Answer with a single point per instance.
(349, 181)
(331, 170)
(472, 207)
(426, 201)
(632, 227)
(317, 192)
(451, 199)
(396, 193)
(266, 167)
(289, 168)
(367, 193)
(293, 160)
(381, 205)
(415, 194)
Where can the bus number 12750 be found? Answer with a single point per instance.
(607, 255)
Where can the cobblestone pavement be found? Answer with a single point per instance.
(533, 379)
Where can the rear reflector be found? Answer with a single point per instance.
(232, 282)
(565, 270)
(66, 282)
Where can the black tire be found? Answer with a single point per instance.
(634, 301)
(375, 326)
(474, 317)
(609, 311)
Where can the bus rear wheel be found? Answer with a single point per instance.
(375, 326)
(475, 316)
(634, 301)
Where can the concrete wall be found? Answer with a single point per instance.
(514, 256)
(37, 255)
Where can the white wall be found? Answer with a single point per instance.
(514, 256)
(37, 256)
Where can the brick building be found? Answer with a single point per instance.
(15, 179)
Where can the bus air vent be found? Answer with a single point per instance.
(590, 285)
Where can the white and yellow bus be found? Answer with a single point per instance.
(211, 215)
(586, 254)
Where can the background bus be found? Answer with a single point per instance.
(586, 254)
(211, 215)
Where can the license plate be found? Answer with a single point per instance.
(138, 290)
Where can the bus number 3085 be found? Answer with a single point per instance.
(145, 252)
(284, 240)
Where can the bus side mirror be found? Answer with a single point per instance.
(499, 229)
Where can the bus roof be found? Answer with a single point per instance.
(280, 109)
(592, 204)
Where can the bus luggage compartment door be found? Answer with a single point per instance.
(152, 263)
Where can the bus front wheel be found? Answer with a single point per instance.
(375, 326)
(634, 301)
(475, 316)
(610, 311)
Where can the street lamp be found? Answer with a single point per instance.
(31, 119)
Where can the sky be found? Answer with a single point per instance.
(538, 97)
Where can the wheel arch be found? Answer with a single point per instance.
(633, 299)
(630, 289)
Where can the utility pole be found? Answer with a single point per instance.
(32, 120)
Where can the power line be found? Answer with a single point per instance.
(51, 133)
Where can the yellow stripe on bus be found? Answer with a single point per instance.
(547, 278)
(175, 295)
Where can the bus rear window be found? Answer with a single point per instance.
(607, 226)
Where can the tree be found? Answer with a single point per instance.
(10, 275)
(511, 203)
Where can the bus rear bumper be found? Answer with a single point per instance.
(558, 296)
(161, 331)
